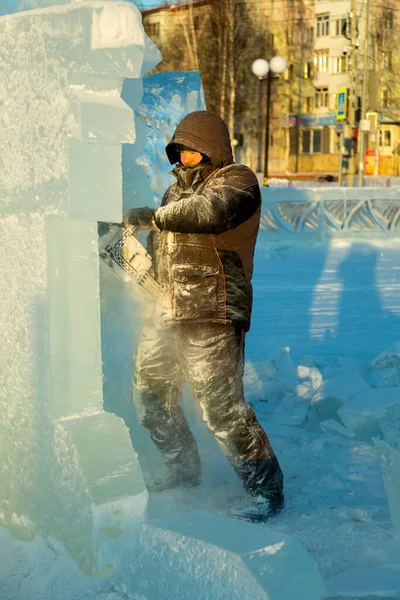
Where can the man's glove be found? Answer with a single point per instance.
(139, 218)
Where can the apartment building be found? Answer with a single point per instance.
(331, 70)
(314, 37)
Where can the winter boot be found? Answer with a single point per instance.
(263, 482)
(259, 508)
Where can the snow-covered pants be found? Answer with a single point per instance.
(210, 357)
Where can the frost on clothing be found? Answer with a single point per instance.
(210, 357)
(202, 249)
(208, 222)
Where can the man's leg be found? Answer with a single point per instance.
(214, 363)
(156, 394)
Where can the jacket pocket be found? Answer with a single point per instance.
(194, 290)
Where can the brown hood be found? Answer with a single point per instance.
(204, 132)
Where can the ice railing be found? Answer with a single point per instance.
(300, 210)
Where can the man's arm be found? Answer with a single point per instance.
(229, 200)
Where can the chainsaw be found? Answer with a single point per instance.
(122, 252)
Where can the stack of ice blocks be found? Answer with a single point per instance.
(67, 467)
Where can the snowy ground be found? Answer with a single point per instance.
(326, 302)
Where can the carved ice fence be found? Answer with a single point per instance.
(334, 209)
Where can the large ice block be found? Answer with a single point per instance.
(375, 413)
(211, 556)
(390, 464)
(68, 468)
(335, 392)
(167, 98)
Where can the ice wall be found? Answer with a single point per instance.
(67, 468)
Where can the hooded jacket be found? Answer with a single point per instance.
(207, 228)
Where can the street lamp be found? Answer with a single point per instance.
(266, 70)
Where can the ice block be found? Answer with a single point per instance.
(68, 468)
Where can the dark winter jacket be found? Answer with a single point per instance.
(208, 224)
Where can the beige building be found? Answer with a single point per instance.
(314, 37)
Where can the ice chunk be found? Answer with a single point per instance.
(346, 363)
(389, 378)
(388, 358)
(331, 426)
(383, 378)
(110, 467)
(291, 411)
(375, 413)
(390, 465)
(283, 363)
(311, 374)
(221, 558)
(334, 393)
(365, 583)
(343, 365)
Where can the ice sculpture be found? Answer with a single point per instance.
(390, 465)
(167, 98)
(67, 467)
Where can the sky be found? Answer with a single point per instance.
(148, 3)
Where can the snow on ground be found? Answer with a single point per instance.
(332, 306)
(327, 301)
(323, 311)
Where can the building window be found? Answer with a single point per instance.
(322, 25)
(339, 64)
(339, 27)
(385, 97)
(321, 98)
(306, 141)
(317, 141)
(309, 104)
(308, 70)
(385, 138)
(153, 29)
(321, 59)
(310, 34)
(311, 141)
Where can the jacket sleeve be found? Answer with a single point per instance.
(229, 199)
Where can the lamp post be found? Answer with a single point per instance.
(265, 70)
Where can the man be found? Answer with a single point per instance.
(202, 243)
